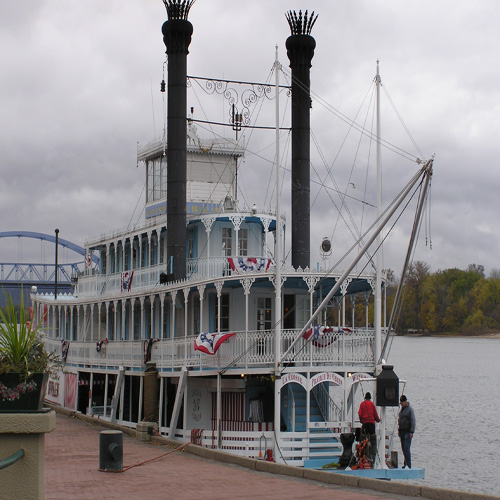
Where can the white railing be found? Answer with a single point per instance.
(217, 267)
(110, 284)
(252, 349)
(327, 406)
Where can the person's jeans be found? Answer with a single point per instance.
(405, 446)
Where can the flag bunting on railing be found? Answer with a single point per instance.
(210, 342)
(249, 264)
(323, 336)
(126, 280)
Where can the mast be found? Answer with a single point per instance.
(378, 256)
(277, 257)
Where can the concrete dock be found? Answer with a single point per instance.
(72, 472)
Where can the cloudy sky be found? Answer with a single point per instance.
(79, 87)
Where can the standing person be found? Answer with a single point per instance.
(368, 416)
(406, 428)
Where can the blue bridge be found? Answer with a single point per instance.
(16, 277)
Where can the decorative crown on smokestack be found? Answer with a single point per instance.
(300, 25)
(178, 9)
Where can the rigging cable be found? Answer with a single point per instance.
(360, 128)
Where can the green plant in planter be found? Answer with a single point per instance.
(24, 362)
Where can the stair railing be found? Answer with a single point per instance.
(330, 411)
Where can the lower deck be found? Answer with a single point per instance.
(224, 411)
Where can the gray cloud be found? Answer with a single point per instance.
(79, 87)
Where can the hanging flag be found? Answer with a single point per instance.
(126, 280)
(210, 342)
(88, 260)
(320, 336)
(249, 264)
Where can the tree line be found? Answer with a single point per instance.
(453, 301)
(447, 301)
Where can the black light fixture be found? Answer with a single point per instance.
(387, 387)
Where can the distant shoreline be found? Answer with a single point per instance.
(495, 335)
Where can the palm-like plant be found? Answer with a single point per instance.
(21, 346)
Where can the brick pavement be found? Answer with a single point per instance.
(72, 463)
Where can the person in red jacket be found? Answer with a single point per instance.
(368, 416)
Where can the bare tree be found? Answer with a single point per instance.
(476, 268)
(495, 273)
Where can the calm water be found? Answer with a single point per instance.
(452, 384)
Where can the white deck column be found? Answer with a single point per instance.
(186, 298)
(201, 291)
(132, 319)
(92, 321)
(139, 263)
(152, 299)
(247, 284)
(143, 333)
(123, 325)
(108, 263)
(115, 325)
(124, 246)
(71, 328)
(99, 306)
(172, 319)
(107, 318)
(148, 256)
(207, 222)
(65, 333)
(162, 315)
(78, 324)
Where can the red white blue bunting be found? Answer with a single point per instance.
(248, 264)
(323, 336)
(210, 342)
(126, 281)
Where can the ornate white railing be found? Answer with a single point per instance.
(217, 267)
(252, 349)
(111, 284)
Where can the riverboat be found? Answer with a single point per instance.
(200, 320)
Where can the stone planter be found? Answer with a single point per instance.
(18, 394)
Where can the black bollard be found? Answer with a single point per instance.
(347, 439)
(111, 451)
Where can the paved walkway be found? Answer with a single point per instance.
(72, 463)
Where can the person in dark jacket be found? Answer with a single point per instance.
(406, 428)
(368, 416)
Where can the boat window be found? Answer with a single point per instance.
(227, 236)
(303, 311)
(243, 242)
(264, 313)
(224, 312)
(156, 180)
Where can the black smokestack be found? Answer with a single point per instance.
(300, 50)
(177, 33)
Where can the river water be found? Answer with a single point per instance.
(453, 387)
